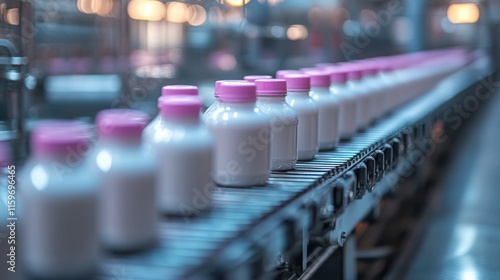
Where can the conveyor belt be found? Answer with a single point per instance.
(258, 232)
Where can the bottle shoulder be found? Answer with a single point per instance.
(56, 178)
(302, 103)
(109, 158)
(228, 115)
(324, 98)
(279, 111)
(180, 135)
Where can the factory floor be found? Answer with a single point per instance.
(460, 234)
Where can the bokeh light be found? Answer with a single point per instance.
(235, 3)
(150, 10)
(177, 12)
(198, 15)
(297, 32)
(463, 13)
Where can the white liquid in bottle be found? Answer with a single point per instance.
(242, 137)
(284, 121)
(184, 149)
(59, 225)
(298, 87)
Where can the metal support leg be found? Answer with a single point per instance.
(349, 258)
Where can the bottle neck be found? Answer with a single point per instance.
(352, 83)
(271, 98)
(241, 104)
(337, 85)
(320, 90)
(298, 93)
(369, 78)
(193, 121)
(124, 142)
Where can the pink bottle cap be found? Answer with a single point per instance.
(367, 68)
(354, 73)
(398, 62)
(298, 82)
(237, 92)
(179, 90)
(280, 74)
(180, 107)
(379, 64)
(5, 154)
(319, 78)
(60, 140)
(218, 83)
(338, 75)
(253, 78)
(276, 87)
(121, 124)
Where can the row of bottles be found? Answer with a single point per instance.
(85, 187)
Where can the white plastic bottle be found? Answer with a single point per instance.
(372, 87)
(156, 123)
(242, 137)
(209, 111)
(385, 86)
(347, 102)
(298, 87)
(271, 100)
(59, 195)
(328, 122)
(389, 84)
(253, 78)
(356, 89)
(184, 150)
(126, 171)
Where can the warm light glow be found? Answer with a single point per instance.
(297, 32)
(100, 7)
(85, 6)
(235, 3)
(463, 13)
(177, 12)
(12, 16)
(198, 15)
(150, 10)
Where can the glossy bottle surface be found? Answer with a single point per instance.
(184, 157)
(307, 112)
(328, 120)
(60, 200)
(127, 195)
(347, 114)
(184, 151)
(242, 144)
(284, 123)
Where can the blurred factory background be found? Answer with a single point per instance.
(97, 53)
(70, 59)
